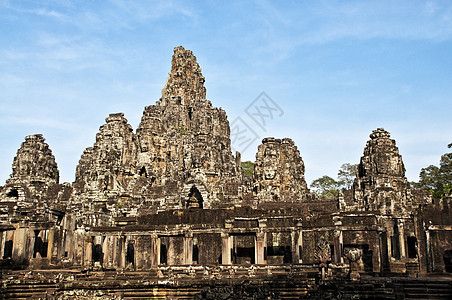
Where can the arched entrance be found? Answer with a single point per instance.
(195, 199)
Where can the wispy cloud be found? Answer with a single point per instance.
(41, 11)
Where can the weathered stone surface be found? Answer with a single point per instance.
(35, 162)
(185, 141)
(180, 156)
(164, 212)
(381, 184)
(35, 172)
(107, 170)
(279, 173)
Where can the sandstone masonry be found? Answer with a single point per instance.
(167, 204)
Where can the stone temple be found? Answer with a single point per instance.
(164, 212)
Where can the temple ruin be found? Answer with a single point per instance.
(165, 211)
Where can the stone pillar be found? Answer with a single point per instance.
(260, 244)
(115, 252)
(402, 239)
(88, 257)
(141, 254)
(19, 245)
(69, 243)
(50, 238)
(155, 250)
(338, 246)
(188, 249)
(294, 246)
(226, 246)
(428, 247)
(77, 248)
(31, 248)
(122, 252)
(376, 258)
(389, 243)
(171, 253)
(106, 249)
(2, 243)
(300, 246)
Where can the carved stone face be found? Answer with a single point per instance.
(269, 172)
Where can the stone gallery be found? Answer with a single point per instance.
(164, 211)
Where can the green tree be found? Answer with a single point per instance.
(326, 187)
(346, 175)
(437, 180)
(248, 169)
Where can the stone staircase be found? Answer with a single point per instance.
(144, 285)
(385, 288)
(22, 290)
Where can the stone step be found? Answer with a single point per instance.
(25, 295)
(428, 296)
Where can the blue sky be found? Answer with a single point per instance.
(338, 70)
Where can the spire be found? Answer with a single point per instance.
(35, 162)
(185, 82)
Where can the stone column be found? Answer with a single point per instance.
(155, 250)
(106, 249)
(141, 255)
(188, 249)
(115, 252)
(88, 257)
(402, 239)
(122, 252)
(300, 246)
(389, 243)
(19, 245)
(294, 246)
(260, 244)
(429, 256)
(376, 258)
(2, 243)
(69, 243)
(31, 248)
(226, 246)
(338, 246)
(50, 243)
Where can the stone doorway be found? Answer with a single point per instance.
(130, 255)
(448, 261)
(40, 247)
(244, 251)
(195, 199)
(8, 250)
(97, 253)
(412, 246)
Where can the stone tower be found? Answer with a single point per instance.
(184, 142)
(106, 170)
(381, 184)
(34, 171)
(279, 173)
(180, 156)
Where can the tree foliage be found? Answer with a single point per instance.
(325, 187)
(437, 180)
(346, 175)
(328, 188)
(248, 169)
